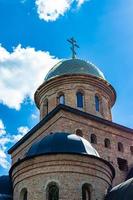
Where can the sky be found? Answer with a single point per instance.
(33, 37)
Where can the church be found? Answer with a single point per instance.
(76, 151)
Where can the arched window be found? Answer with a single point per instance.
(86, 192)
(52, 192)
(61, 98)
(120, 147)
(80, 99)
(79, 132)
(107, 143)
(97, 103)
(93, 139)
(23, 194)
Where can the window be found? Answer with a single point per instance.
(62, 99)
(120, 147)
(52, 192)
(23, 194)
(79, 132)
(93, 139)
(107, 143)
(97, 103)
(80, 100)
(131, 149)
(122, 164)
(86, 192)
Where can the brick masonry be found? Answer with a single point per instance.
(35, 174)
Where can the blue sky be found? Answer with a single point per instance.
(33, 36)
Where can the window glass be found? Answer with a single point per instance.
(122, 164)
(107, 143)
(25, 196)
(79, 100)
(79, 132)
(93, 139)
(62, 99)
(53, 192)
(86, 194)
(97, 103)
(120, 147)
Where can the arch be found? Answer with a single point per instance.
(23, 194)
(80, 99)
(120, 147)
(86, 191)
(61, 98)
(107, 143)
(93, 139)
(52, 191)
(97, 103)
(79, 132)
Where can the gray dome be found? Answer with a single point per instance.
(124, 191)
(62, 143)
(5, 188)
(74, 66)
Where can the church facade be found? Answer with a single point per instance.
(75, 152)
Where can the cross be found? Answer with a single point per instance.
(73, 42)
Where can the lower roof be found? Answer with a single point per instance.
(62, 142)
(123, 191)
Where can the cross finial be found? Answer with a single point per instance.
(73, 42)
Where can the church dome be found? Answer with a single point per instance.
(74, 66)
(62, 143)
(123, 191)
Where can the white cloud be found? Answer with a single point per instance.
(8, 139)
(22, 71)
(50, 10)
(3, 142)
(22, 130)
(34, 116)
(2, 128)
(80, 2)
